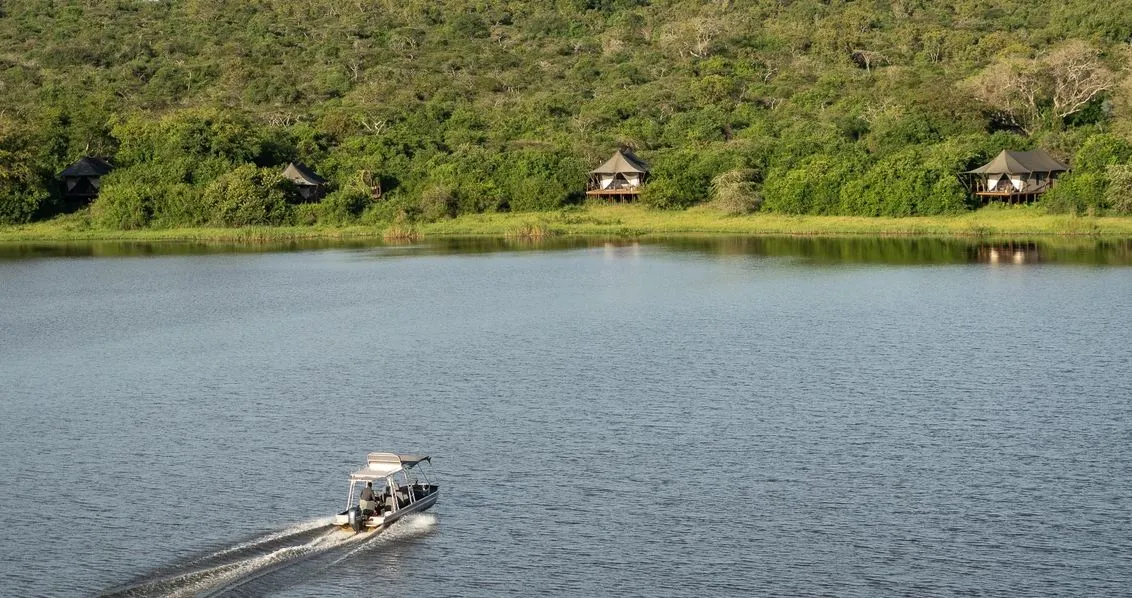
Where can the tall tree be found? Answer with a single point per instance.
(1059, 84)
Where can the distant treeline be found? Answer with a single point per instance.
(811, 106)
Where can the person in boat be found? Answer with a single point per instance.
(367, 501)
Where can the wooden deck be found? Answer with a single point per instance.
(1010, 196)
(615, 194)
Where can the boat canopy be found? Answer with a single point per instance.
(380, 465)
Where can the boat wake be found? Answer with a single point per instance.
(225, 570)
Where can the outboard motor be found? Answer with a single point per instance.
(354, 515)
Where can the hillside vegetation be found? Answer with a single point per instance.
(831, 107)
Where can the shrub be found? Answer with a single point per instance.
(177, 204)
(683, 177)
(343, 206)
(915, 181)
(813, 187)
(1101, 151)
(889, 188)
(664, 193)
(436, 203)
(150, 194)
(247, 196)
(539, 179)
(532, 193)
(735, 192)
(946, 196)
(20, 203)
(1118, 196)
(20, 198)
(1077, 193)
(1086, 188)
(123, 206)
(946, 161)
(306, 214)
(469, 177)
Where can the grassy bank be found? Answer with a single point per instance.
(609, 220)
(623, 220)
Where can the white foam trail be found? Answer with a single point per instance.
(412, 525)
(201, 578)
(213, 578)
(298, 528)
(422, 521)
(255, 567)
(299, 541)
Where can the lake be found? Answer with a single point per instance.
(670, 417)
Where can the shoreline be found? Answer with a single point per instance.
(620, 221)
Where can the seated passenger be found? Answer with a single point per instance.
(367, 501)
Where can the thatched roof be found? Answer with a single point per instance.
(622, 162)
(1011, 162)
(87, 166)
(299, 174)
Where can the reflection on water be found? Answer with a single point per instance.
(879, 250)
(1011, 253)
(909, 251)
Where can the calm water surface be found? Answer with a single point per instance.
(715, 417)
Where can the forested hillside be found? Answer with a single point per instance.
(451, 106)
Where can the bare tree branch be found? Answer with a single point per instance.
(1062, 82)
(1078, 76)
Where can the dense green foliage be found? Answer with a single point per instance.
(1086, 189)
(826, 107)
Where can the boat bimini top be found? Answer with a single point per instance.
(382, 465)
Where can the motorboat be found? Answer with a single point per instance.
(400, 487)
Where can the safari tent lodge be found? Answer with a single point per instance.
(311, 186)
(620, 178)
(1015, 177)
(82, 180)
